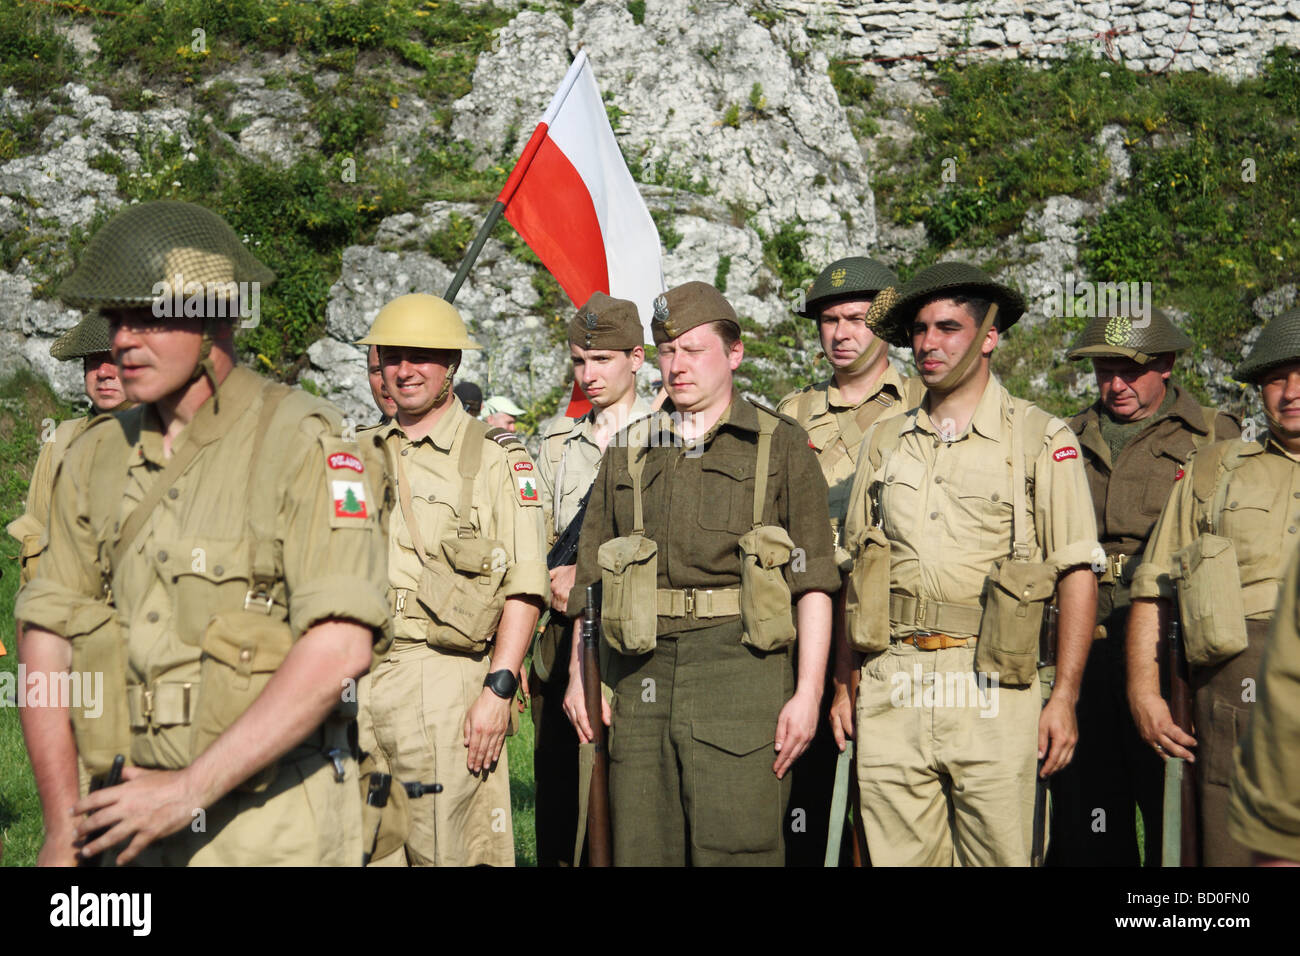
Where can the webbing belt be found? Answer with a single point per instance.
(932, 615)
(697, 602)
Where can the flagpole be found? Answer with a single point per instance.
(474, 249)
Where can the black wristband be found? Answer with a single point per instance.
(503, 683)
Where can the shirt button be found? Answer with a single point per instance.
(246, 655)
(938, 479)
(173, 494)
(1233, 505)
(933, 515)
(405, 450)
(996, 496)
(162, 556)
(1291, 530)
(152, 617)
(220, 570)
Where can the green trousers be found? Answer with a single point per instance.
(691, 756)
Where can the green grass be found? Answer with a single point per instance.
(522, 788)
(25, 402)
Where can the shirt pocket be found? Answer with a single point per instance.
(1158, 482)
(1254, 527)
(984, 502)
(207, 579)
(726, 501)
(901, 495)
(435, 518)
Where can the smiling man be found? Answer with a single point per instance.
(375, 373)
(202, 556)
(1245, 492)
(1135, 439)
(467, 578)
(605, 347)
(708, 533)
(985, 512)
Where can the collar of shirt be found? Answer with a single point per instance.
(739, 414)
(234, 395)
(1269, 443)
(990, 414)
(889, 379)
(444, 433)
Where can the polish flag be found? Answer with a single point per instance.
(573, 200)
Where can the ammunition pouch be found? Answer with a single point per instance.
(866, 596)
(1210, 600)
(99, 647)
(463, 596)
(240, 651)
(1015, 596)
(629, 572)
(765, 599)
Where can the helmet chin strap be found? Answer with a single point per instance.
(881, 303)
(867, 358)
(954, 376)
(205, 366)
(446, 384)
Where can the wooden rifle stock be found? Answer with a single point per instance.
(599, 838)
(1047, 640)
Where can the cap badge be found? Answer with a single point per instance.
(837, 277)
(661, 309)
(591, 320)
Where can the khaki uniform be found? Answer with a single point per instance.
(413, 704)
(835, 431)
(694, 720)
(1261, 515)
(567, 466)
(1113, 768)
(947, 775)
(194, 559)
(1264, 810)
(30, 525)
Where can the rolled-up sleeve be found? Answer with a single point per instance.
(518, 525)
(1063, 513)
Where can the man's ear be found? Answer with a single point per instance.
(638, 357)
(736, 354)
(990, 341)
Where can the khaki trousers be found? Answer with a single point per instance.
(691, 780)
(305, 818)
(946, 773)
(412, 718)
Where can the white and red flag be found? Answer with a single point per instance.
(573, 200)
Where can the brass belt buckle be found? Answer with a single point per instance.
(1117, 567)
(690, 601)
(918, 640)
(400, 606)
(147, 699)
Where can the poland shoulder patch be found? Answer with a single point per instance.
(527, 488)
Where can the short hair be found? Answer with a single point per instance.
(976, 307)
(729, 332)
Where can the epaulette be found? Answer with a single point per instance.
(764, 407)
(521, 463)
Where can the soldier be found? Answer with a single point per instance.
(471, 397)
(1223, 539)
(1136, 439)
(706, 523)
(500, 412)
(467, 577)
(212, 552)
(383, 401)
(88, 341)
(836, 413)
(605, 347)
(965, 514)
(1264, 809)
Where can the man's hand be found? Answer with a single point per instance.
(146, 806)
(1157, 727)
(841, 715)
(486, 723)
(1058, 732)
(795, 728)
(575, 702)
(561, 584)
